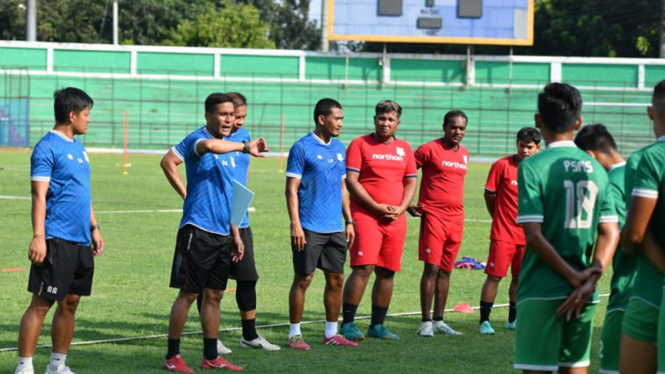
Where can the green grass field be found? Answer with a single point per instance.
(131, 297)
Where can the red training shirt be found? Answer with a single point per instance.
(442, 187)
(382, 169)
(502, 180)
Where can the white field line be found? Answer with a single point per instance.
(4, 197)
(154, 336)
(251, 209)
(139, 211)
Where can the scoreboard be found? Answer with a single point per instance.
(488, 22)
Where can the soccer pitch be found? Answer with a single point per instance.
(139, 217)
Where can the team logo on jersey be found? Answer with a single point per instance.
(466, 159)
(513, 183)
(69, 156)
(85, 155)
(340, 158)
(360, 253)
(400, 151)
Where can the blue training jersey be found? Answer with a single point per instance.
(209, 185)
(64, 163)
(241, 170)
(321, 169)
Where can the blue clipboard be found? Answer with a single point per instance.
(240, 201)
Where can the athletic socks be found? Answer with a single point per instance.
(348, 313)
(249, 329)
(294, 329)
(438, 319)
(173, 348)
(24, 363)
(485, 310)
(57, 360)
(378, 315)
(512, 312)
(331, 329)
(210, 348)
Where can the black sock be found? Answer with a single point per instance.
(378, 315)
(485, 310)
(348, 313)
(249, 329)
(427, 320)
(512, 312)
(210, 348)
(436, 319)
(199, 302)
(173, 348)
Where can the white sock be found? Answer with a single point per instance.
(294, 330)
(57, 360)
(24, 363)
(331, 329)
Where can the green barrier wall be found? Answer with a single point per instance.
(163, 93)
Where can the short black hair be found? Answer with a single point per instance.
(559, 106)
(528, 135)
(658, 98)
(597, 138)
(452, 114)
(68, 100)
(216, 98)
(387, 106)
(324, 107)
(238, 99)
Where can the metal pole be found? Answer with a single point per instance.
(31, 21)
(662, 29)
(115, 22)
(324, 26)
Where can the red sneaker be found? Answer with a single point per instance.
(177, 364)
(339, 340)
(219, 363)
(297, 342)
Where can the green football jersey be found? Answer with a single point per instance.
(623, 265)
(646, 275)
(567, 191)
(650, 183)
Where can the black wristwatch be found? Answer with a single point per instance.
(353, 223)
(94, 227)
(246, 148)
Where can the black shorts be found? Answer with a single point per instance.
(245, 270)
(323, 251)
(201, 260)
(68, 268)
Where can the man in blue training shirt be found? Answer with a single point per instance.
(65, 232)
(205, 247)
(244, 271)
(316, 199)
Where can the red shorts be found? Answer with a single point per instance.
(502, 255)
(378, 243)
(440, 241)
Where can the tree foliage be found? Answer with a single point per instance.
(601, 28)
(243, 23)
(233, 26)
